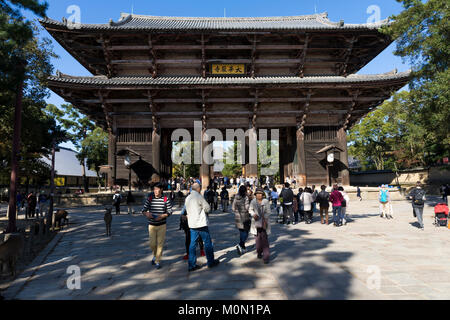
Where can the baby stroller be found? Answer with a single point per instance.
(441, 215)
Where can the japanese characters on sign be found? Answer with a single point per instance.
(228, 69)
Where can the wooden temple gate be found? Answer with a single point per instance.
(156, 74)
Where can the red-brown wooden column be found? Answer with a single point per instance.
(342, 142)
(301, 157)
(252, 168)
(111, 158)
(205, 170)
(156, 149)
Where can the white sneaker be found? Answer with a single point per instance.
(239, 250)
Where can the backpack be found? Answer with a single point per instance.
(150, 199)
(117, 198)
(418, 197)
(383, 197)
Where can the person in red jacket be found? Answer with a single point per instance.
(336, 199)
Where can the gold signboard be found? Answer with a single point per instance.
(60, 182)
(219, 68)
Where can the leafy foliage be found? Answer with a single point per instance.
(39, 131)
(423, 32)
(414, 128)
(94, 148)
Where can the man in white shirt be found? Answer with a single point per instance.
(197, 209)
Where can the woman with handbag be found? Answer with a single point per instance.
(242, 218)
(260, 224)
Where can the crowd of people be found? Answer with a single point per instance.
(180, 183)
(32, 204)
(252, 206)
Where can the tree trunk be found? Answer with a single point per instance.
(52, 192)
(14, 160)
(85, 181)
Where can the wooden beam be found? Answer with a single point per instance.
(153, 57)
(228, 100)
(203, 56)
(301, 69)
(348, 54)
(107, 55)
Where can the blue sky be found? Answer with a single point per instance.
(101, 11)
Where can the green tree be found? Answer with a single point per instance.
(423, 39)
(232, 167)
(184, 169)
(15, 34)
(38, 129)
(94, 148)
(389, 137)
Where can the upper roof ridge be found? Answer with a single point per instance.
(318, 16)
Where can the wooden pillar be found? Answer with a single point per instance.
(111, 156)
(252, 168)
(156, 150)
(301, 158)
(113, 144)
(282, 150)
(205, 171)
(342, 142)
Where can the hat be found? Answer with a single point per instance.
(259, 190)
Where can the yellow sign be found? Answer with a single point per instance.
(60, 182)
(228, 69)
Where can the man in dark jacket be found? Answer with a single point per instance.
(417, 196)
(224, 198)
(288, 198)
(209, 197)
(323, 199)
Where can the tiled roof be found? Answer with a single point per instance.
(67, 164)
(141, 22)
(137, 81)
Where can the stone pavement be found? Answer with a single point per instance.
(307, 261)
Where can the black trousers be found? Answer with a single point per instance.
(187, 233)
(117, 208)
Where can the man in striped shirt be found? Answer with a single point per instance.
(159, 207)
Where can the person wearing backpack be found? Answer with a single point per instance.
(117, 198)
(385, 202)
(323, 199)
(288, 197)
(417, 196)
(157, 209)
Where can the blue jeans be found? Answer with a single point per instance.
(337, 213)
(243, 236)
(209, 249)
(274, 203)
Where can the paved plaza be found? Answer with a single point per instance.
(307, 261)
